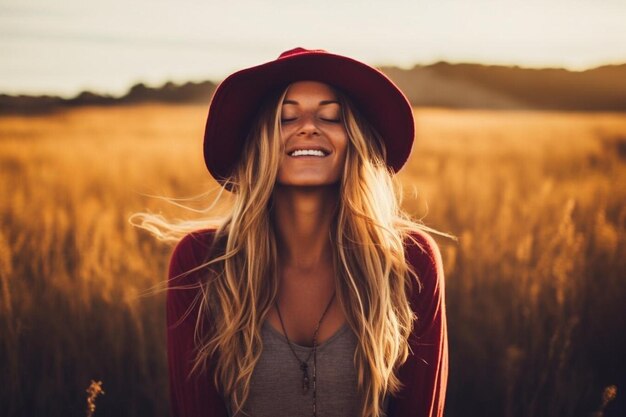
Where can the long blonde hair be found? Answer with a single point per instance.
(369, 233)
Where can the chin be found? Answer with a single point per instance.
(308, 179)
(307, 183)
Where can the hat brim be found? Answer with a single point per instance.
(236, 101)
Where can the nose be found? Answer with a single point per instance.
(308, 126)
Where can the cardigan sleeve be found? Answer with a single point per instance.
(425, 373)
(190, 395)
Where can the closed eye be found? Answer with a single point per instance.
(331, 120)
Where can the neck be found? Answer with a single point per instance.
(302, 218)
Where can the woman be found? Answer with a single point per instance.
(316, 295)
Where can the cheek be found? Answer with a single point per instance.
(284, 134)
(342, 146)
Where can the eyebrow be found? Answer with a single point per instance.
(321, 103)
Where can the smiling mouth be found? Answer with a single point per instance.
(299, 153)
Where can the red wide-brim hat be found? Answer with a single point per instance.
(237, 99)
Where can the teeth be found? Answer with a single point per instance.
(312, 152)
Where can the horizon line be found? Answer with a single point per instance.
(179, 82)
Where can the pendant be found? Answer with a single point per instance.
(305, 377)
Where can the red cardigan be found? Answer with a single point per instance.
(424, 374)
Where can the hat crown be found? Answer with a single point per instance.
(298, 51)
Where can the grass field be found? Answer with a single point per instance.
(535, 286)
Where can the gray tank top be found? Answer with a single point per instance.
(276, 385)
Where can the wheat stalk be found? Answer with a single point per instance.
(95, 389)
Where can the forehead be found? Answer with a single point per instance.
(314, 90)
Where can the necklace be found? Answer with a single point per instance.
(304, 366)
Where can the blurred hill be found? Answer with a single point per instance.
(501, 87)
(438, 85)
(139, 93)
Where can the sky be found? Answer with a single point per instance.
(63, 47)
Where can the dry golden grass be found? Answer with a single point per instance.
(535, 284)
